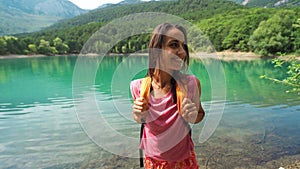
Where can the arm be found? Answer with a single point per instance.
(192, 110)
(201, 112)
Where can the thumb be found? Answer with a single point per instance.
(141, 99)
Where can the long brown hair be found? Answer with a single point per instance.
(155, 51)
(156, 44)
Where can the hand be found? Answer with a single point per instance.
(140, 110)
(189, 111)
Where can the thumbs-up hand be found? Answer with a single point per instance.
(140, 110)
(189, 110)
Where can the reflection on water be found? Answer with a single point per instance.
(39, 125)
(244, 85)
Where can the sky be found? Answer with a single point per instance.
(92, 4)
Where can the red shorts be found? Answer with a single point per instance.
(189, 163)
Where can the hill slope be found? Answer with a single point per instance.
(269, 3)
(76, 31)
(188, 9)
(19, 16)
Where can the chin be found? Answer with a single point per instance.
(178, 65)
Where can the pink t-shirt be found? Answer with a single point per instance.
(166, 134)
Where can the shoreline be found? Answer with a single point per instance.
(229, 56)
(224, 55)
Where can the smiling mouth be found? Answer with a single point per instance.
(178, 61)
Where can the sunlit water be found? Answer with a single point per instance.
(39, 126)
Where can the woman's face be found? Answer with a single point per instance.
(173, 51)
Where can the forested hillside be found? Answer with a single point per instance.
(266, 31)
(260, 30)
(269, 3)
(188, 9)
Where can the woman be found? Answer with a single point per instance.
(166, 101)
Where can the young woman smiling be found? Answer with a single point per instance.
(166, 101)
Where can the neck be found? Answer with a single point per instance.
(162, 78)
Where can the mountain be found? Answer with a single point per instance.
(269, 3)
(188, 9)
(19, 16)
(126, 2)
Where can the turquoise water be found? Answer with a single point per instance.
(39, 126)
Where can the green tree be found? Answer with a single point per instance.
(2, 46)
(274, 35)
(296, 36)
(60, 46)
(238, 37)
(32, 48)
(13, 45)
(45, 48)
(292, 75)
(216, 29)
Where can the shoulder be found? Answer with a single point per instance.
(140, 87)
(193, 85)
(191, 77)
(193, 80)
(136, 84)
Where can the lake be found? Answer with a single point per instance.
(54, 115)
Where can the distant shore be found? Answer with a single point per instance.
(224, 55)
(228, 56)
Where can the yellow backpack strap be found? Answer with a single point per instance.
(180, 96)
(145, 88)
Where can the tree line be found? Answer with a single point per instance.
(262, 31)
(265, 31)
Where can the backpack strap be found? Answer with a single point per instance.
(145, 88)
(141, 154)
(144, 92)
(180, 96)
